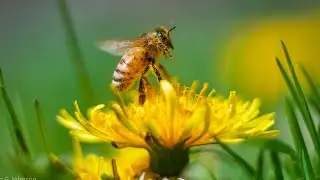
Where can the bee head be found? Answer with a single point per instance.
(164, 36)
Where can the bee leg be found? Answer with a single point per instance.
(143, 86)
(166, 51)
(168, 54)
(156, 71)
(163, 71)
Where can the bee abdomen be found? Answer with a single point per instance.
(122, 79)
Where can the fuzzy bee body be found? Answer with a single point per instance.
(138, 56)
(130, 67)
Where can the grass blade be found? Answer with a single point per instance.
(76, 56)
(274, 145)
(15, 125)
(285, 75)
(293, 169)
(304, 165)
(313, 87)
(298, 137)
(259, 172)
(246, 166)
(292, 90)
(56, 164)
(315, 105)
(302, 103)
(16, 145)
(317, 166)
(276, 165)
(42, 126)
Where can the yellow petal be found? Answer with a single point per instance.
(232, 104)
(270, 133)
(90, 128)
(171, 101)
(69, 123)
(77, 151)
(85, 136)
(201, 117)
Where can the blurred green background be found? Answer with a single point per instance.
(230, 44)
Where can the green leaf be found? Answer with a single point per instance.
(274, 145)
(312, 85)
(300, 100)
(56, 165)
(259, 172)
(319, 132)
(293, 168)
(238, 159)
(317, 160)
(298, 137)
(314, 104)
(42, 126)
(76, 56)
(305, 166)
(17, 132)
(276, 165)
(287, 80)
(317, 166)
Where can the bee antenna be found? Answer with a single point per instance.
(171, 29)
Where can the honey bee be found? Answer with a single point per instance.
(138, 57)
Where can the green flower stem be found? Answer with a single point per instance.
(249, 169)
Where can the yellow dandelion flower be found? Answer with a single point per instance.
(126, 165)
(170, 122)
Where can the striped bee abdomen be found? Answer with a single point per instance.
(121, 78)
(128, 70)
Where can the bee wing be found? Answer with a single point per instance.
(117, 47)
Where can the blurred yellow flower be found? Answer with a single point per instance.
(176, 116)
(128, 164)
(248, 60)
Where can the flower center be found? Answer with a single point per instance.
(167, 162)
